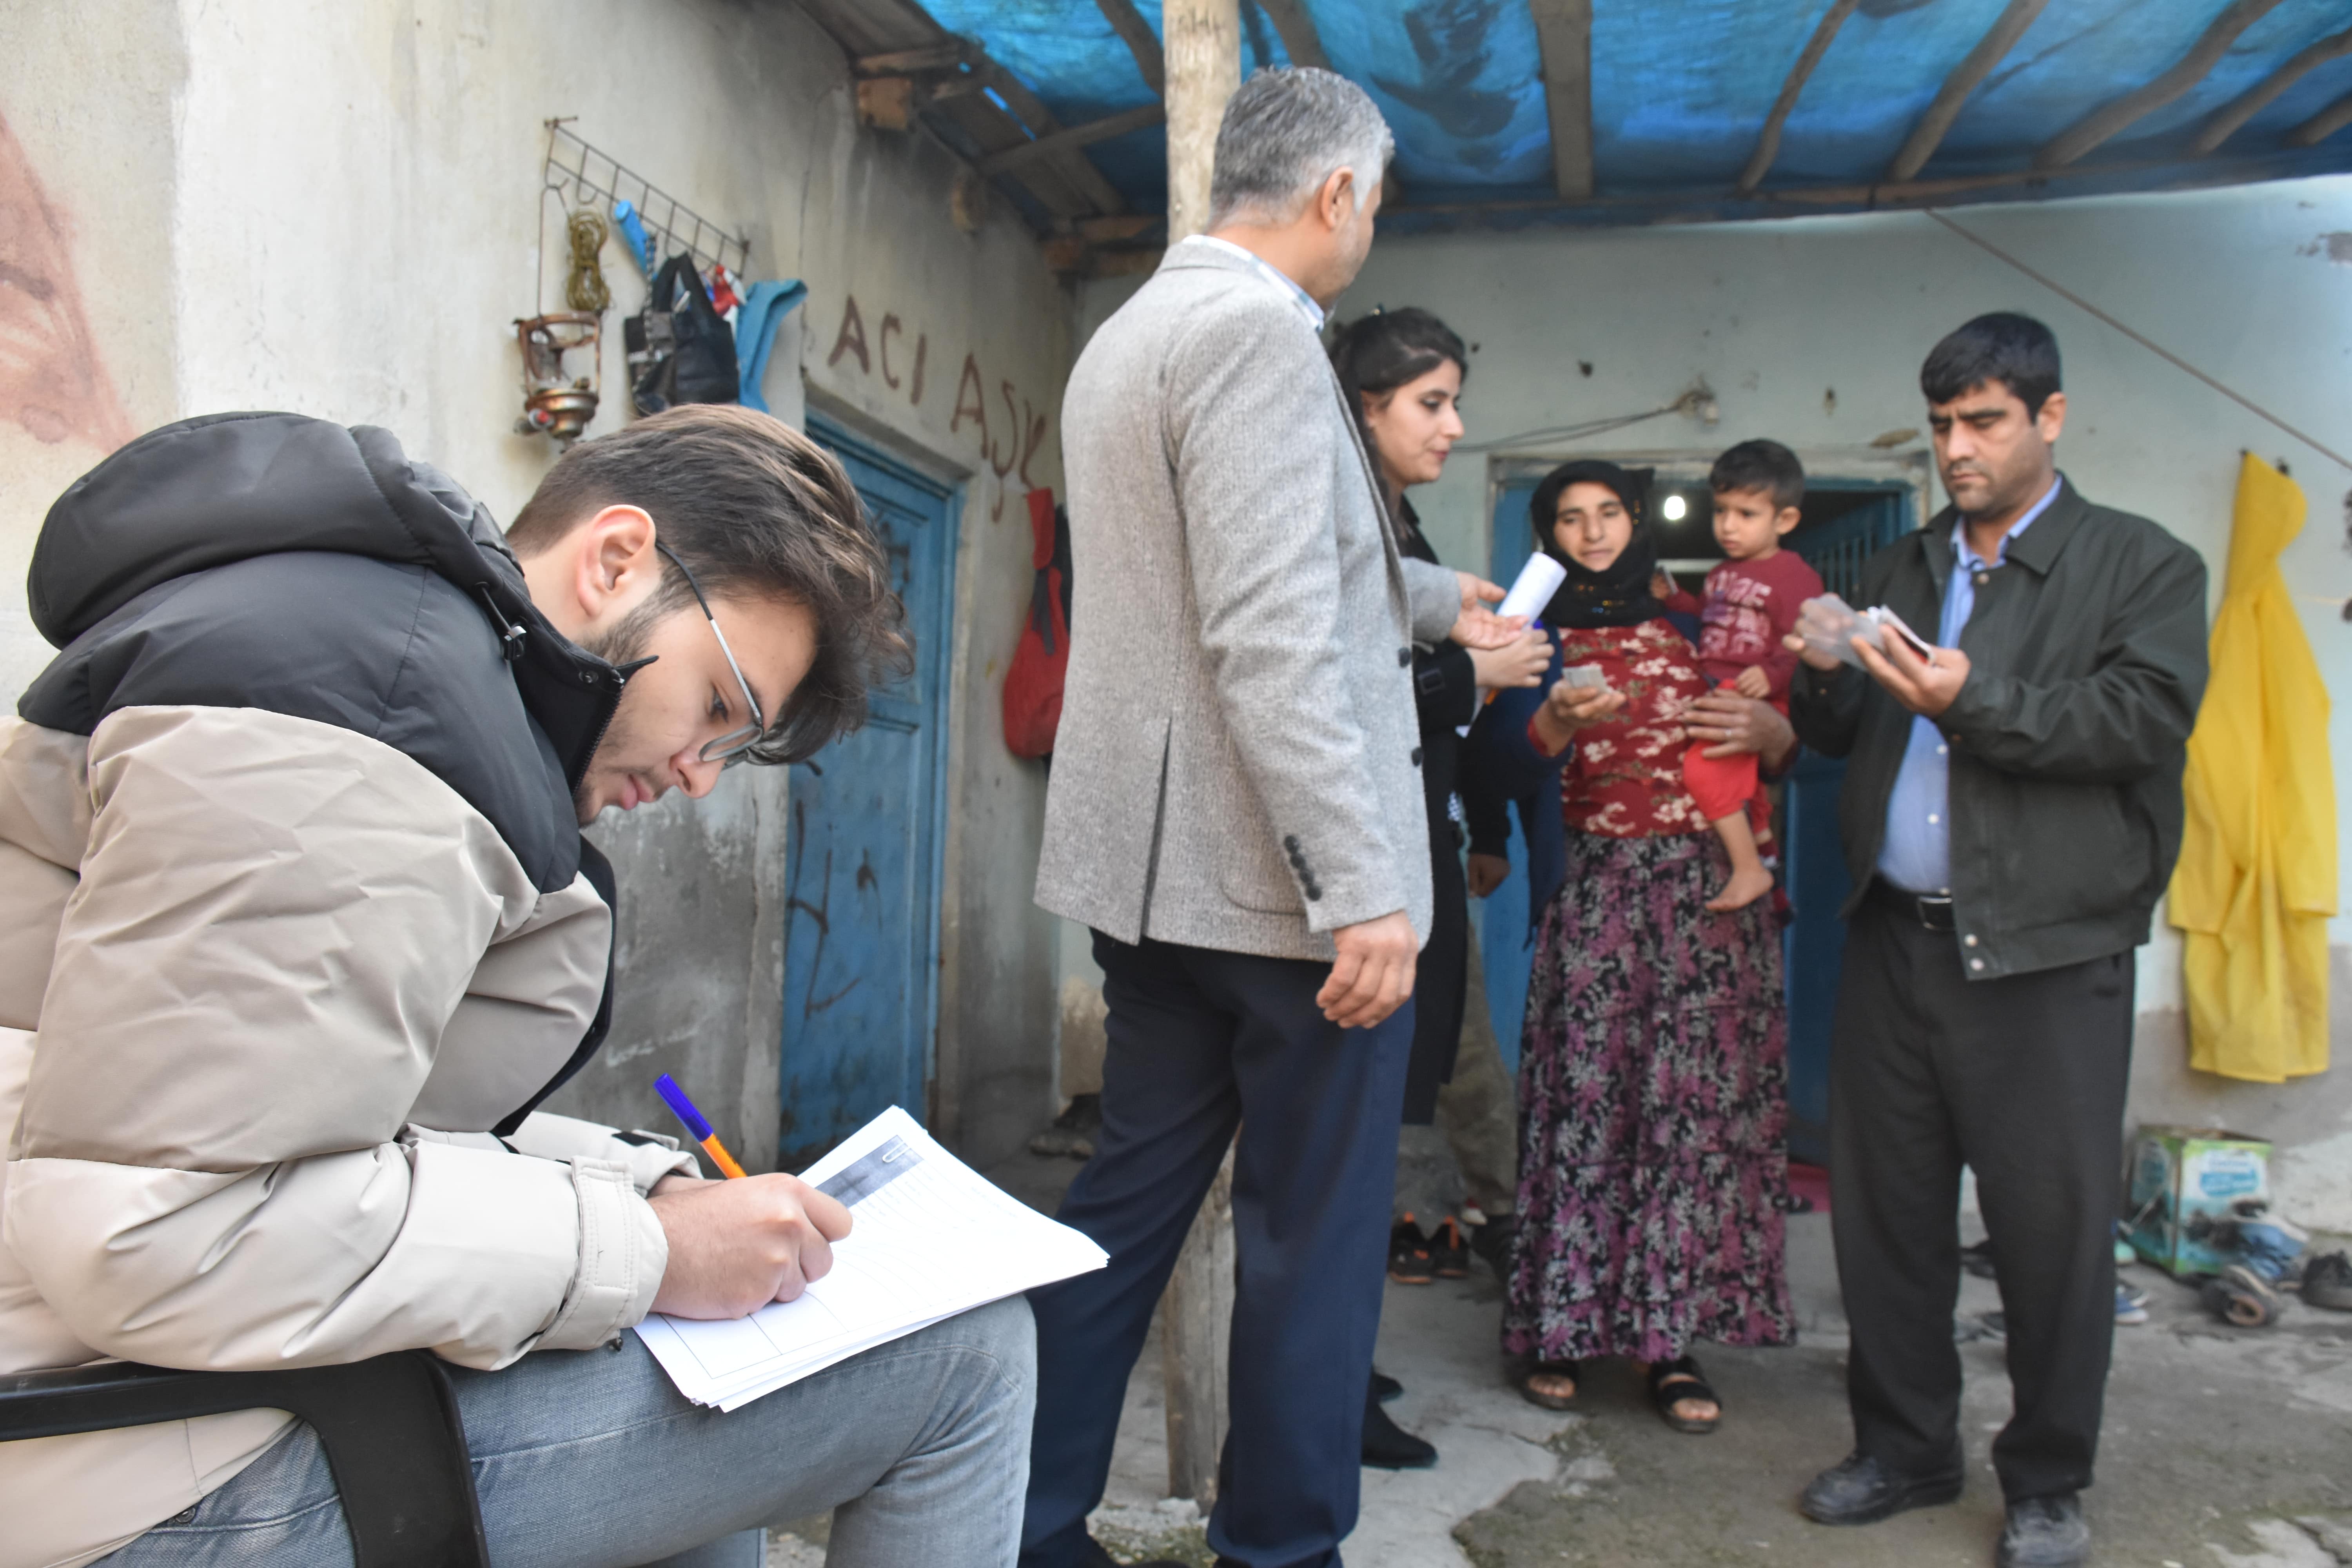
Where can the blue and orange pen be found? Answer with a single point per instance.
(697, 1123)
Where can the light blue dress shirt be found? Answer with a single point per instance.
(1300, 298)
(1916, 855)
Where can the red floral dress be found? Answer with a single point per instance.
(1652, 1071)
(1625, 779)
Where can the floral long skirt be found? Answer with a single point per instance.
(1654, 1094)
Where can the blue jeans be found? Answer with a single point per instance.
(592, 1459)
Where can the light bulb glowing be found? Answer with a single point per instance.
(1675, 509)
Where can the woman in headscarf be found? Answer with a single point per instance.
(1653, 1065)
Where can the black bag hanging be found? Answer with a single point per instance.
(678, 346)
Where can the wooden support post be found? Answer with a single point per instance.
(1196, 1319)
(1203, 50)
(1564, 35)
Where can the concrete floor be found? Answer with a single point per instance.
(2222, 1448)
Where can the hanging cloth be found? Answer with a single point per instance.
(1041, 656)
(764, 308)
(679, 349)
(2257, 876)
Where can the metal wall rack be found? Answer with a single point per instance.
(583, 176)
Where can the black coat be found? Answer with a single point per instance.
(1445, 688)
(2087, 657)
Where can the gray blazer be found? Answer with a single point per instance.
(1238, 763)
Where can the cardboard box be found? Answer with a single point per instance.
(2184, 1181)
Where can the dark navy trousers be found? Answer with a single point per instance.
(1201, 1041)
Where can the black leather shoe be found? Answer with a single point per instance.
(1863, 1490)
(2044, 1533)
(1389, 1447)
(1385, 1388)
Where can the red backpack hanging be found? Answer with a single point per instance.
(1033, 687)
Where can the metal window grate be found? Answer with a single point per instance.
(583, 176)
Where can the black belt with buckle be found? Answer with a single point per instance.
(1932, 910)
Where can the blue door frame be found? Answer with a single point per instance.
(864, 849)
(1815, 865)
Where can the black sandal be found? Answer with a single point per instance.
(1674, 1382)
(1571, 1370)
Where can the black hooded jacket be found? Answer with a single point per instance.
(286, 563)
(271, 561)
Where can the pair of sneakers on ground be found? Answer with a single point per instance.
(1415, 1259)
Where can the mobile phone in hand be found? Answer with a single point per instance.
(1891, 621)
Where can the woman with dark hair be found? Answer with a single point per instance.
(1401, 373)
(1653, 1071)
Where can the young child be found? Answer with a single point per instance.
(1751, 602)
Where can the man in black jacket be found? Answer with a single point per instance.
(2010, 813)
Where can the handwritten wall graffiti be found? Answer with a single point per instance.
(1008, 439)
(52, 382)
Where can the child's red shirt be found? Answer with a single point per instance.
(1749, 606)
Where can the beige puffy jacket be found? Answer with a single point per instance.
(268, 979)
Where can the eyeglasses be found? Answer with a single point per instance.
(730, 748)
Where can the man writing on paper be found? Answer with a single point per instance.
(1236, 810)
(296, 927)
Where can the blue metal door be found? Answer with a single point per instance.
(862, 873)
(1503, 932)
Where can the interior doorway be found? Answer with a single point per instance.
(863, 854)
(1845, 521)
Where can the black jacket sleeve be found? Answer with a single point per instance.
(1446, 686)
(1486, 811)
(2125, 720)
(1825, 706)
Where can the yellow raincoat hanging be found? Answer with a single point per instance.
(2257, 876)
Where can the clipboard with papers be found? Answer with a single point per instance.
(930, 1238)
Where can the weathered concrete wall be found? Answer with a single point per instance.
(86, 267)
(1813, 331)
(332, 206)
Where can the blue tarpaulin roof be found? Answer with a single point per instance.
(1680, 90)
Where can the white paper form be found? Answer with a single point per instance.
(930, 1237)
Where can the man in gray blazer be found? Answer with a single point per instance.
(1236, 811)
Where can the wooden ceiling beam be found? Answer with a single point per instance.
(1014, 159)
(1564, 35)
(1929, 135)
(2224, 122)
(2112, 117)
(2322, 125)
(1070, 163)
(1140, 41)
(961, 86)
(1768, 141)
(946, 56)
(1300, 41)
